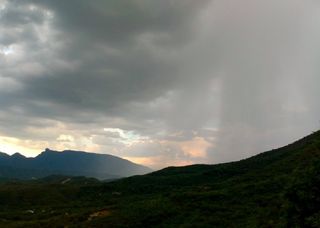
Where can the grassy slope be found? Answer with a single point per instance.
(279, 188)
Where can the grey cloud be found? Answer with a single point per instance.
(105, 69)
(241, 75)
(263, 59)
(119, 22)
(84, 68)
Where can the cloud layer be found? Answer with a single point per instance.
(159, 82)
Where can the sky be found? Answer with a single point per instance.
(161, 83)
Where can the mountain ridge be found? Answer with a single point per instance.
(69, 162)
(277, 188)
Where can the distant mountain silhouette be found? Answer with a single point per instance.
(75, 163)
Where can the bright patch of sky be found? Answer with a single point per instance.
(126, 137)
(7, 50)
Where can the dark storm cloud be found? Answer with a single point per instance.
(80, 65)
(100, 60)
(113, 64)
(120, 22)
(228, 77)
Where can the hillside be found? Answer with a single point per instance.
(74, 163)
(278, 188)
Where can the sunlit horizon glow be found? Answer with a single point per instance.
(161, 83)
(12, 145)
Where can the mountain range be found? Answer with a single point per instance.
(277, 188)
(68, 162)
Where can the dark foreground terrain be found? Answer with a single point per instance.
(279, 188)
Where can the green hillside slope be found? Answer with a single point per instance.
(279, 188)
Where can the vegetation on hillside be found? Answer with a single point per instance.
(279, 188)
